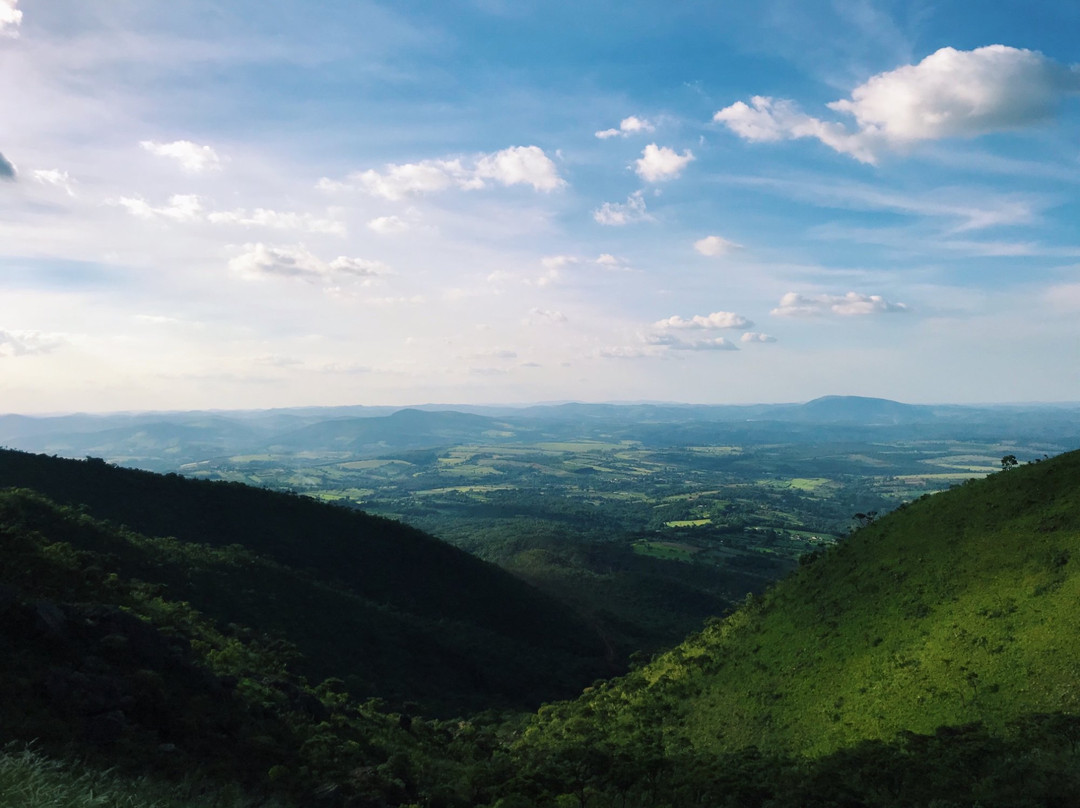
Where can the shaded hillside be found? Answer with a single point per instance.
(957, 608)
(402, 613)
(111, 670)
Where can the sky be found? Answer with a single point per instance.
(268, 204)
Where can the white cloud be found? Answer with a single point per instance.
(950, 93)
(10, 18)
(627, 127)
(55, 177)
(715, 246)
(558, 261)
(544, 317)
(794, 304)
(520, 165)
(675, 343)
(661, 163)
(260, 260)
(517, 165)
(26, 343)
(616, 215)
(755, 336)
(954, 93)
(181, 208)
(399, 181)
(388, 225)
(770, 120)
(608, 260)
(189, 208)
(192, 157)
(718, 319)
(278, 220)
(630, 352)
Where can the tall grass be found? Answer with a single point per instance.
(28, 779)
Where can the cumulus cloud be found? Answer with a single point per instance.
(27, 343)
(661, 163)
(10, 18)
(520, 165)
(7, 169)
(755, 336)
(192, 157)
(56, 178)
(388, 225)
(517, 165)
(794, 304)
(277, 220)
(715, 246)
(399, 181)
(950, 93)
(668, 335)
(615, 214)
(260, 261)
(718, 319)
(627, 127)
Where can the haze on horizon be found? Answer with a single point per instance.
(258, 205)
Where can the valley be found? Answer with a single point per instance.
(821, 610)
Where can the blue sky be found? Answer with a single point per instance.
(217, 205)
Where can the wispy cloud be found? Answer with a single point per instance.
(278, 220)
(965, 208)
(716, 246)
(615, 214)
(27, 343)
(56, 178)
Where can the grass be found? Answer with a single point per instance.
(688, 523)
(30, 780)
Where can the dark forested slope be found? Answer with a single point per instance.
(405, 615)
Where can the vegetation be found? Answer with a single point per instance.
(394, 612)
(928, 659)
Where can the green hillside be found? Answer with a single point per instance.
(958, 608)
(393, 611)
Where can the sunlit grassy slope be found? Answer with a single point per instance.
(959, 607)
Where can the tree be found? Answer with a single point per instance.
(1008, 461)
